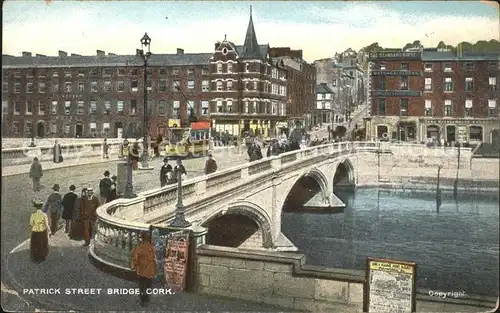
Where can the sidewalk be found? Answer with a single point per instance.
(68, 266)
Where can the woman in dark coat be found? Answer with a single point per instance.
(39, 226)
(76, 230)
(68, 203)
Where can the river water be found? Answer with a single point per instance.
(455, 249)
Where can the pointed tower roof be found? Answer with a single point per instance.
(251, 47)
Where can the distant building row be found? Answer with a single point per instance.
(250, 87)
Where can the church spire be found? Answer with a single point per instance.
(251, 47)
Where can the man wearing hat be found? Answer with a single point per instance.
(210, 165)
(165, 169)
(112, 193)
(53, 208)
(89, 214)
(39, 226)
(68, 203)
(104, 187)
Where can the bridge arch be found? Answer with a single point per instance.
(344, 174)
(250, 212)
(304, 188)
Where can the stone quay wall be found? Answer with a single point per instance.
(283, 279)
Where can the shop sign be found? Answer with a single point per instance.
(396, 73)
(395, 55)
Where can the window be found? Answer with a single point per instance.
(120, 86)
(382, 83)
(93, 107)
(53, 107)
(53, 127)
(205, 86)
(107, 86)
(468, 108)
(29, 87)
(121, 72)
(219, 85)
(247, 86)
(55, 87)
(107, 72)
(247, 68)
(133, 107)
(41, 87)
(191, 84)
(119, 106)
(492, 107)
(334, 83)
(41, 74)
(190, 109)
(55, 74)
(93, 128)
(428, 67)
(17, 87)
(205, 108)
(404, 67)
(176, 86)
(470, 66)
(219, 67)
(41, 108)
(162, 107)
(67, 129)
(382, 67)
(428, 108)
(492, 83)
(29, 73)
(105, 128)
(447, 108)
(93, 87)
(255, 86)
(448, 84)
(447, 67)
(469, 84)
(81, 87)
(107, 106)
(28, 128)
(403, 107)
(15, 127)
(67, 107)
(5, 87)
(81, 73)
(162, 85)
(475, 133)
(134, 85)
(68, 74)
(176, 109)
(191, 71)
(149, 85)
(81, 108)
(163, 72)
(229, 106)
(17, 108)
(253, 108)
(247, 109)
(404, 83)
(219, 106)
(274, 108)
(229, 85)
(175, 71)
(68, 87)
(428, 84)
(29, 107)
(229, 67)
(205, 71)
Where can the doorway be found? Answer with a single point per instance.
(40, 130)
(495, 138)
(118, 130)
(79, 130)
(450, 133)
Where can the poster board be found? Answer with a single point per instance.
(390, 286)
(176, 260)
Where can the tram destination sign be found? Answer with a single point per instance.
(390, 286)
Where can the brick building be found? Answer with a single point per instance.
(434, 94)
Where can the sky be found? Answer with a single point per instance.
(318, 28)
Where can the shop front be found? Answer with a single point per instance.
(406, 131)
(447, 131)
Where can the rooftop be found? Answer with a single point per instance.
(323, 88)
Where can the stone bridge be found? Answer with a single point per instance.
(240, 203)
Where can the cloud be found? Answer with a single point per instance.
(83, 31)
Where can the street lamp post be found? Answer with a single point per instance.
(146, 43)
(129, 187)
(179, 220)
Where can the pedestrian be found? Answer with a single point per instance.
(210, 165)
(134, 156)
(144, 264)
(164, 172)
(36, 173)
(112, 192)
(53, 208)
(179, 170)
(39, 242)
(68, 203)
(105, 149)
(89, 214)
(76, 229)
(104, 187)
(57, 153)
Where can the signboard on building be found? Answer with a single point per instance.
(396, 73)
(396, 93)
(395, 55)
(174, 122)
(462, 134)
(390, 286)
(176, 260)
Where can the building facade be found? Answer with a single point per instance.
(434, 94)
(325, 98)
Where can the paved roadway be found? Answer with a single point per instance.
(17, 195)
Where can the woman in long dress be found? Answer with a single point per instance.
(76, 230)
(39, 224)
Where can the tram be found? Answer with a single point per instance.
(188, 141)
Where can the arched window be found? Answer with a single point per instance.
(475, 133)
(433, 131)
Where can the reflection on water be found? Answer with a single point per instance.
(455, 249)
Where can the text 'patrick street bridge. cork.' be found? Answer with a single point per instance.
(258, 192)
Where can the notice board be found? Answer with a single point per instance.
(389, 286)
(176, 260)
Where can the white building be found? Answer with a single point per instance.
(324, 113)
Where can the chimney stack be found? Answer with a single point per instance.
(101, 53)
(63, 53)
(26, 54)
(138, 51)
(76, 55)
(40, 55)
(180, 51)
(109, 53)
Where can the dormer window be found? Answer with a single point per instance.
(224, 51)
(247, 67)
